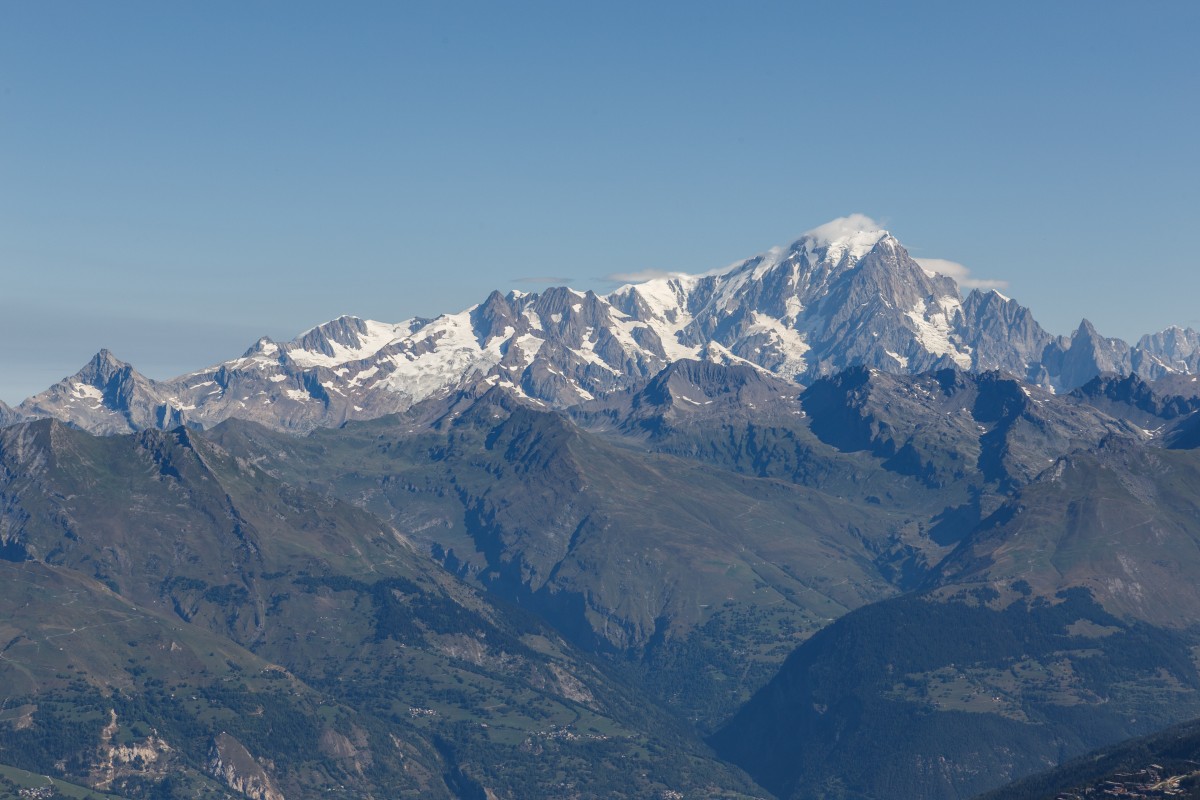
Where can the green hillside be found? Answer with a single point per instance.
(178, 601)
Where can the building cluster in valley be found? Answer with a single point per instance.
(1151, 782)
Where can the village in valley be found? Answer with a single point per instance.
(1152, 781)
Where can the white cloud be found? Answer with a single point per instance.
(844, 227)
(643, 275)
(556, 280)
(960, 274)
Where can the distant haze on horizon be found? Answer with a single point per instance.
(182, 179)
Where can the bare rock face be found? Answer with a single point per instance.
(150, 757)
(1173, 351)
(1003, 335)
(572, 688)
(232, 764)
(8, 415)
(353, 751)
(1091, 354)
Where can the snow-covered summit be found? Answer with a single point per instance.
(843, 241)
(850, 237)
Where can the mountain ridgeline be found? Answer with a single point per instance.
(813, 527)
(838, 297)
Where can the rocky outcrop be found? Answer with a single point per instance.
(232, 764)
(354, 751)
(149, 757)
(1173, 351)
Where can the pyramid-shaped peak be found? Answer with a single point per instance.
(101, 367)
(264, 346)
(105, 356)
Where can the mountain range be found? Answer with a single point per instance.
(840, 296)
(815, 526)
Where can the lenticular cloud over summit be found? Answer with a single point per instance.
(844, 228)
(643, 275)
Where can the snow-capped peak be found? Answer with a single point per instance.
(853, 236)
(344, 339)
(843, 240)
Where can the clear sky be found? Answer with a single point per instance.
(177, 179)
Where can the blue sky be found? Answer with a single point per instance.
(177, 179)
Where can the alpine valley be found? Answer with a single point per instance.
(812, 526)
